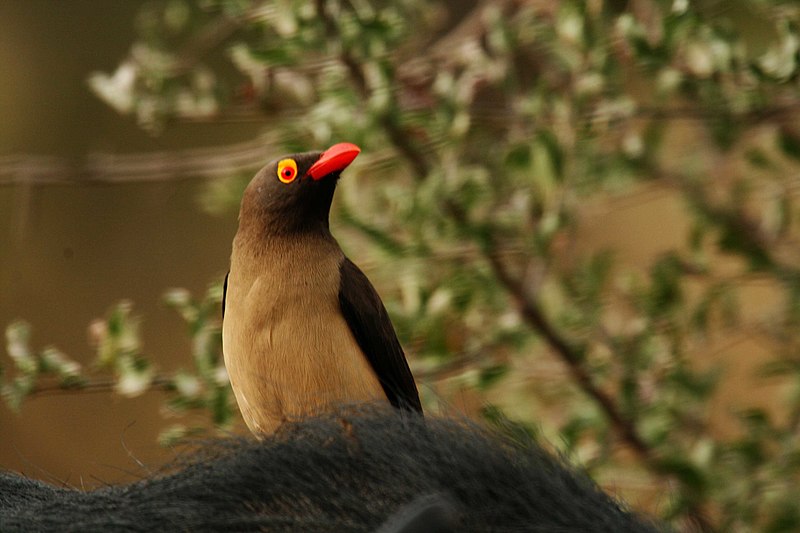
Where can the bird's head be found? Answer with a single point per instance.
(294, 192)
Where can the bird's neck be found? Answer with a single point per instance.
(274, 247)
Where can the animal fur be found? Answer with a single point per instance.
(357, 469)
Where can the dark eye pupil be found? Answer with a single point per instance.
(287, 172)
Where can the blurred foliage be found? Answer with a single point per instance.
(121, 366)
(488, 130)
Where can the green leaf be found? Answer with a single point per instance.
(220, 403)
(757, 420)
(18, 335)
(15, 392)
(518, 432)
(688, 474)
(553, 149)
(751, 451)
(786, 518)
(173, 435)
(519, 156)
(790, 143)
(491, 375)
(665, 290)
(574, 430)
(758, 158)
(135, 375)
(733, 238)
(696, 384)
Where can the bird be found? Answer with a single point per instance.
(302, 326)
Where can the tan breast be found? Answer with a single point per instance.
(287, 348)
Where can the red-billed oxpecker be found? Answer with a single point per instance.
(303, 328)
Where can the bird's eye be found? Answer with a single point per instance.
(287, 170)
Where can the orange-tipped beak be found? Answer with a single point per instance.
(334, 159)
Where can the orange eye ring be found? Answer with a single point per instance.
(287, 170)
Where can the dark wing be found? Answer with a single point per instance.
(225, 292)
(368, 320)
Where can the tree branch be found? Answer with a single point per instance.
(533, 315)
(159, 382)
(570, 355)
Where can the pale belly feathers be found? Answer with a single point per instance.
(288, 350)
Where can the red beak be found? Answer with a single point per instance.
(334, 159)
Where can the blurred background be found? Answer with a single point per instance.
(581, 215)
(76, 240)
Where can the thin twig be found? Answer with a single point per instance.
(103, 167)
(625, 427)
(159, 382)
(533, 315)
